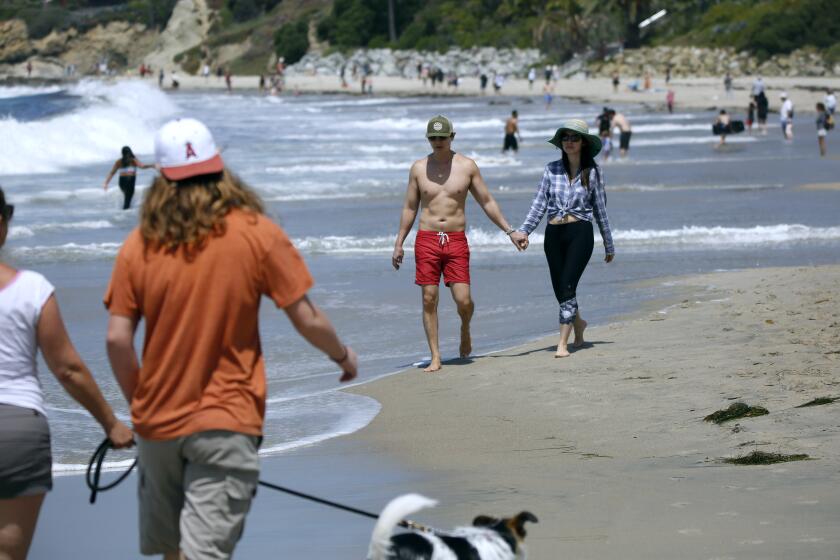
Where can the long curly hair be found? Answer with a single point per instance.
(185, 214)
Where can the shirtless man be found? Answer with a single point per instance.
(620, 121)
(439, 184)
(511, 133)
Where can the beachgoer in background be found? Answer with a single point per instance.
(830, 101)
(648, 81)
(482, 83)
(615, 81)
(727, 84)
(127, 166)
(825, 120)
(532, 75)
(438, 184)
(757, 87)
(605, 132)
(30, 320)
(174, 78)
(722, 123)
(547, 73)
(261, 84)
(762, 107)
(750, 115)
(548, 94)
(620, 121)
(667, 74)
(205, 71)
(786, 116)
(511, 133)
(669, 100)
(195, 271)
(498, 82)
(160, 78)
(342, 76)
(572, 193)
(229, 80)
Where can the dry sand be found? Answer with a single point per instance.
(609, 447)
(691, 93)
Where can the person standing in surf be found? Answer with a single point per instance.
(438, 185)
(572, 193)
(127, 166)
(195, 270)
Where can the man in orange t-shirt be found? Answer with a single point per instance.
(196, 270)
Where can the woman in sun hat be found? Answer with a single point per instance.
(572, 193)
(30, 320)
(195, 271)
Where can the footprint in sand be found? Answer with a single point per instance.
(680, 504)
(728, 513)
(690, 532)
(753, 541)
(808, 502)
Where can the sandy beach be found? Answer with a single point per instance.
(608, 447)
(690, 93)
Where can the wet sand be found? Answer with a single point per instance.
(607, 447)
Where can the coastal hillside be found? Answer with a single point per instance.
(248, 35)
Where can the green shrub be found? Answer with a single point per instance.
(291, 41)
(243, 10)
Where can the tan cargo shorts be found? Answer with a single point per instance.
(195, 491)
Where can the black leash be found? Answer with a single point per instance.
(98, 458)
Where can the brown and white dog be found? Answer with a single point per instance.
(487, 539)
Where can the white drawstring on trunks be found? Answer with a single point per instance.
(443, 237)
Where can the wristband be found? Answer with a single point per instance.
(508, 232)
(346, 353)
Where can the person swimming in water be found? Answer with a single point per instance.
(127, 166)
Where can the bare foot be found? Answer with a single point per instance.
(466, 343)
(579, 333)
(433, 366)
(562, 352)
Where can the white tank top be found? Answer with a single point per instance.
(21, 303)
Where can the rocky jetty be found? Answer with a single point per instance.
(696, 62)
(403, 63)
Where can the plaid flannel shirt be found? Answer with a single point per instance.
(559, 197)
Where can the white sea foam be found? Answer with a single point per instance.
(25, 91)
(18, 232)
(355, 165)
(111, 116)
(67, 252)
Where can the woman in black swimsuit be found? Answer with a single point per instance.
(127, 166)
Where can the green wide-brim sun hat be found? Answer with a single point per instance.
(579, 126)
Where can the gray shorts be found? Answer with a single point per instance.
(195, 491)
(25, 457)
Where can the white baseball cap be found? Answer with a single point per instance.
(185, 148)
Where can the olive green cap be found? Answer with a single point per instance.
(593, 141)
(439, 126)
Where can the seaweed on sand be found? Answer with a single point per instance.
(763, 458)
(735, 410)
(819, 401)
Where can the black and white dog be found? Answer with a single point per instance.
(488, 538)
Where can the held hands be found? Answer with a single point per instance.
(120, 435)
(397, 257)
(520, 239)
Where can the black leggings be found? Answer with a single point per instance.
(568, 248)
(127, 188)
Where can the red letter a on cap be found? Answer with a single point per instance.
(190, 151)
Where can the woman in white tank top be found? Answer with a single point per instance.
(30, 320)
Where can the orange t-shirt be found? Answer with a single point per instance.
(202, 366)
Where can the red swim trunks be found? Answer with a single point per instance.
(436, 252)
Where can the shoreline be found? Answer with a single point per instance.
(607, 448)
(703, 93)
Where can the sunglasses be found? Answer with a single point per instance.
(8, 212)
(571, 138)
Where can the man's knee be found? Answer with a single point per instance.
(464, 305)
(430, 301)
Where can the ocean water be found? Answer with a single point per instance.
(333, 171)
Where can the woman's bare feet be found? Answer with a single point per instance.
(562, 352)
(433, 366)
(580, 326)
